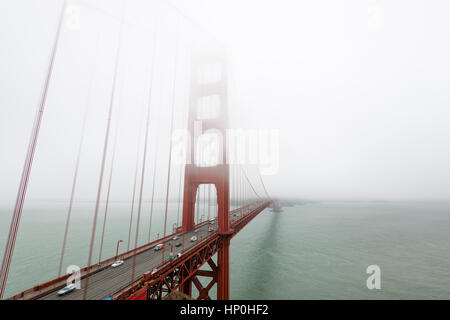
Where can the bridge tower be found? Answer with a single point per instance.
(209, 81)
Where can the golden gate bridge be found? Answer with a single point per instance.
(216, 195)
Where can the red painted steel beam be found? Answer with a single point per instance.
(217, 175)
(45, 288)
(189, 267)
(223, 274)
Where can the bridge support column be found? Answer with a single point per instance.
(223, 281)
(211, 68)
(186, 287)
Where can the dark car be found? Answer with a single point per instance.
(178, 244)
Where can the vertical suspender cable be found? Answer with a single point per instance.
(153, 183)
(74, 182)
(157, 135)
(9, 249)
(144, 158)
(75, 176)
(209, 201)
(242, 189)
(182, 165)
(179, 196)
(204, 200)
(107, 195)
(134, 184)
(141, 190)
(197, 203)
(234, 188)
(72, 194)
(239, 189)
(105, 149)
(171, 123)
(139, 141)
(262, 183)
(140, 133)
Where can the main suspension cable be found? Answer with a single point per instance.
(15, 222)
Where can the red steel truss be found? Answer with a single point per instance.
(217, 175)
(184, 272)
(181, 273)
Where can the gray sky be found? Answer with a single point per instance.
(359, 91)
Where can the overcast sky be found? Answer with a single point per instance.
(359, 90)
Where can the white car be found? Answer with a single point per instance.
(194, 238)
(67, 289)
(175, 238)
(117, 263)
(179, 255)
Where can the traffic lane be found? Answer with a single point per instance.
(110, 280)
(107, 282)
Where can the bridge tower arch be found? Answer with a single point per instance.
(209, 80)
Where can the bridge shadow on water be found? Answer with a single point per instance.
(264, 252)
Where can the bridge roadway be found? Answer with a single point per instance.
(106, 282)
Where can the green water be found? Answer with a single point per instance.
(322, 250)
(314, 251)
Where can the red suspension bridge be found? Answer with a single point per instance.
(214, 194)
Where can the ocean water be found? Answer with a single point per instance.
(39, 241)
(318, 250)
(322, 251)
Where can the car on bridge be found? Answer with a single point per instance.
(193, 238)
(116, 264)
(175, 238)
(67, 289)
(159, 246)
(178, 244)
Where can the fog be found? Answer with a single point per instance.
(357, 90)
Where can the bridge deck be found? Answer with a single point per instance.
(107, 281)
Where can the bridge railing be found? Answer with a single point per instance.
(58, 283)
(138, 289)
